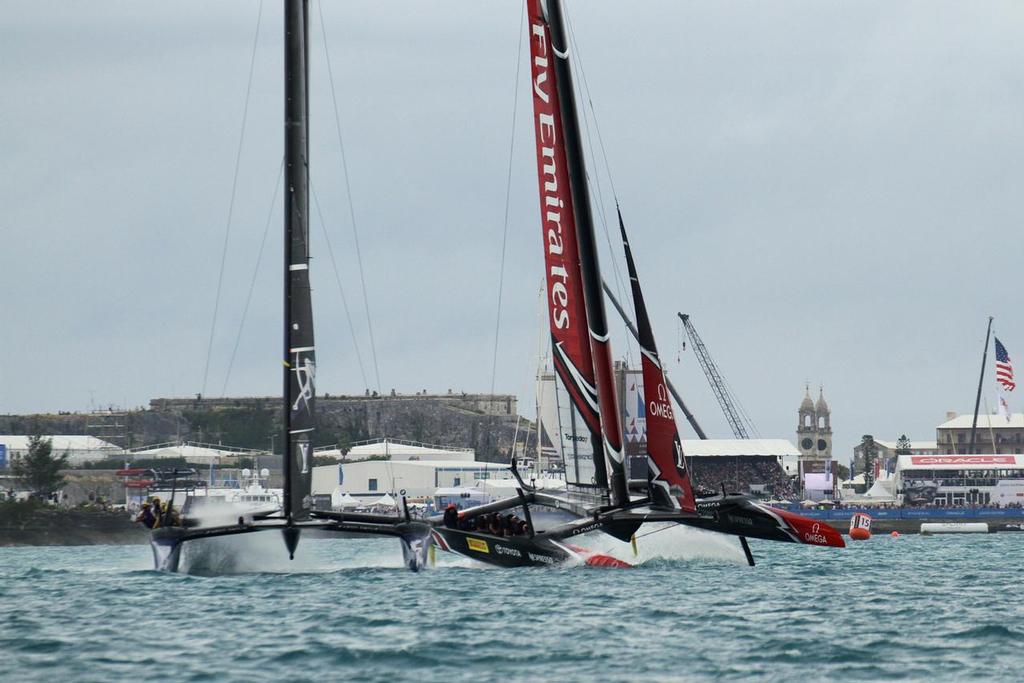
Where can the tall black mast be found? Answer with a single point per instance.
(590, 269)
(299, 356)
(981, 380)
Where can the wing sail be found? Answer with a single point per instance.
(668, 477)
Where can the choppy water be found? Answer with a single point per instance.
(911, 608)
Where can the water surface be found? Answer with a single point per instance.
(908, 608)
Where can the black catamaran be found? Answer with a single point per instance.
(299, 357)
(597, 496)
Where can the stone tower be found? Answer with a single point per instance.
(806, 427)
(814, 428)
(823, 444)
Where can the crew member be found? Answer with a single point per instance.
(146, 516)
(451, 516)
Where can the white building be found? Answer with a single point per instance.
(80, 448)
(368, 479)
(993, 434)
(960, 479)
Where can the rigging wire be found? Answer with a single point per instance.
(337, 280)
(252, 282)
(584, 92)
(508, 193)
(231, 202)
(348, 194)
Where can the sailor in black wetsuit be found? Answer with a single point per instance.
(451, 516)
(146, 516)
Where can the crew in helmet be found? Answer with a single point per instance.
(451, 516)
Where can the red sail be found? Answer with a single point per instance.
(572, 355)
(668, 477)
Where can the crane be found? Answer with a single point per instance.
(734, 413)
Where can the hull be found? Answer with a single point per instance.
(501, 551)
(518, 551)
(740, 516)
(167, 543)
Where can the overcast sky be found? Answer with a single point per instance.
(832, 190)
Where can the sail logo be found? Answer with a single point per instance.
(553, 203)
(305, 371)
(660, 406)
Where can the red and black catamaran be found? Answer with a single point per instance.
(597, 495)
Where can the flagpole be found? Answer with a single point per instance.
(991, 432)
(981, 379)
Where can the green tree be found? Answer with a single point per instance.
(903, 445)
(39, 470)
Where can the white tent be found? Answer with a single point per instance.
(879, 493)
(385, 501)
(343, 500)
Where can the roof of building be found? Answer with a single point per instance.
(821, 406)
(914, 445)
(191, 453)
(437, 464)
(398, 449)
(738, 447)
(807, 403)
(984, 421)
(60, 442)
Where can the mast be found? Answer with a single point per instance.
(981, 380)
(590, 269)
(299, 356)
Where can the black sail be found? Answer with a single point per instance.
(299, 356)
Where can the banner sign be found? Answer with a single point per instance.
(966, 460)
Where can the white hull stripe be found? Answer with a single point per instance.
(300, 349)
(299, 266)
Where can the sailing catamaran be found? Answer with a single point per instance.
(299, 374)
(597, 493)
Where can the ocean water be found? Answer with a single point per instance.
(908, 608)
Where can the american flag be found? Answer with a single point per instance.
(1004, 370)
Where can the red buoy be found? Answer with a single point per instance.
(860, 526)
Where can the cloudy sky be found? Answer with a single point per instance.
(830, 189)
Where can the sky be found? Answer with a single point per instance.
(831, 190)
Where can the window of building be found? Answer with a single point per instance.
(457, 481)
(372, 485)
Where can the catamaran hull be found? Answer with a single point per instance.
(415, 537)
(501, 551)
(741, 516)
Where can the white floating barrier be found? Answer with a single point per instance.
(929, 528)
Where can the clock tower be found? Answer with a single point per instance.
(823, 444)
(807, 426)
(814, 428)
